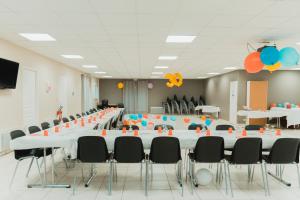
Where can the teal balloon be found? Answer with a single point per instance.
(294, 106)
(269, 55)
(164, 118)
(280, 105)
(144, 123)
(193, 124)
(288, 56)
(208, 122)
(173, 118)
(133, 117)
(140, 116)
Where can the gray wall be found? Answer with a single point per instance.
(283, 87)
(159, 93)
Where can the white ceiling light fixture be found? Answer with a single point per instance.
(201, 77)
(213, 73)
(167, 57)
(230, 68)
(38, 37)
(89, 66)
(157, 73)
(100, 72)
(72, 56)
(154, 76)
(161, 67)
(180, 39)
(106, 76)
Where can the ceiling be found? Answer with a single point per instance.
(125, 37)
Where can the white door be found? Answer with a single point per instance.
(233, 102)
(29, 97)
(63, 94)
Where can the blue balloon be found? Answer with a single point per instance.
(173, 118)
(133, 117)
(193, 124)
(144, 123)
(140, 116)
(288, 56)
(164, 118)
(208, 122)
(269, 55)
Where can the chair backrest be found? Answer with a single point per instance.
(209, 149)
(165, 150)
(19, 153)
(64, 119)
(194, 126)
(72, 118)
(126, 126)
(56, 122)
(224, 127)
(87, 112)
(247, 151)
(78, 115)
(33, 129)
(253, 127)
(92, 149)
(162, 126)
(128, 149)
(135, 127)
(45, 125)
(83, 114)
(285, 151)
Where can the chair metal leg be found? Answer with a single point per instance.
(180, 172)
(266, 175)
(39, 170)
(74, 184)
(146, 177)
(264, 181)
(298, 173)
(110, 177)
(92, 176)
(225, 175)
(191, 175)
(30, 165)
(14, 174)
(151, 166)
(82, 173)
(141, 171)
(229, 179)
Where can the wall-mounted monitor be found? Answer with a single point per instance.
(8, 74)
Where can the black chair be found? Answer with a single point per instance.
(33, 129)
(165, 150)
(72, 118)
(168, 127)
(65, 120)
(93, 149)
(45, 125)
(253, 127)
(56, 122)
(40, 151)
(195, 126)
(87, 113)
(247, 151)
(24, 154)
(83, 114)
(207, 150)
(128, 149)
(224, 127)
(132, 127)
(78, 115)
(283, 152)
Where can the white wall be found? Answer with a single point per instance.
(49, 72)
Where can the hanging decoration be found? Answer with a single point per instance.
(150, 86)
(174, 80)
(270, 58)
(120, 85)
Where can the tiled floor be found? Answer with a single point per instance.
(129, 185)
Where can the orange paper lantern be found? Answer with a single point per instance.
(135, 132)
(198, 129)
(103, 132)
(170, 133)
(46, 133)
(230, 130)
(186, 120)
(159, 130)
(278, 132)
(208, 133)
(244, 133)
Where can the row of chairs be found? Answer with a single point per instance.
(166, 150)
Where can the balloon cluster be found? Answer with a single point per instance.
(206, 120)
(174, 80)
(120, 85)
(270, 58)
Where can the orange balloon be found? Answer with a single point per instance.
(253, 63)
(186, 120)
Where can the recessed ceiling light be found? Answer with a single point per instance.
(37, 36)
(297, 68)
(154, 76)
(72, 56)
(298, 43)
(89, 66)
(180, 39)
(201, 77)
(213, 73)
(161, 67)
(158, 73)
(106, 76)
(167, 57)
(100, 72)
(230, 68)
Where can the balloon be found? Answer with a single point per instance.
(133, 117)
(272, 68)
(273, 105)
(174, 79)
(208, 122)
(120, 85)
(173, 118)
(280, 105)
(253, 63)
(157, 116)
(169, 84)
(145, 116)
(288, 56)
(203, 176)
(140, 116)
(269, 55)
(203, 117)
(144, 123)
(186, 120)
(164, 118)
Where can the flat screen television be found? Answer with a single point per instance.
(8, 74)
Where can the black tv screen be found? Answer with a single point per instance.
(8, 74)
